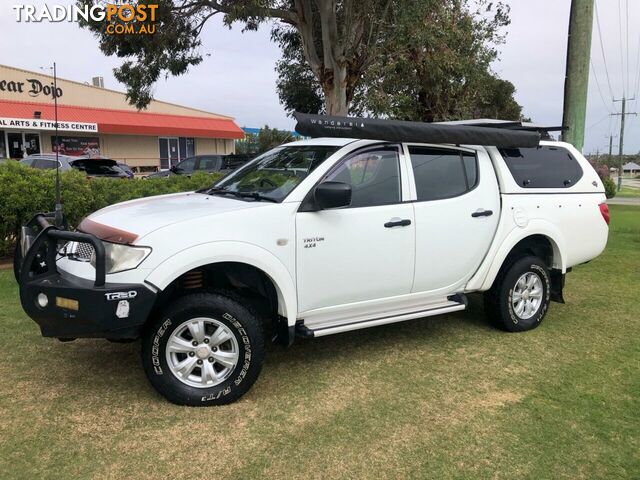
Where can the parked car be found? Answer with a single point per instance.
(204, 163)
(126, 169)
(318, 237)
(121, 165)
(92, 167)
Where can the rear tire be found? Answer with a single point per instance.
(204, 349)
(519, 298)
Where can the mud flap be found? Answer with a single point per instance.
(557, 285)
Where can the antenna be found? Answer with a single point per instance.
(58, 207)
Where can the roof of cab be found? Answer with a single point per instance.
(325, 141)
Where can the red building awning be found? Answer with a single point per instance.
(125, 122)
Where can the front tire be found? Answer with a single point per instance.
(204, 349)
(519, 298)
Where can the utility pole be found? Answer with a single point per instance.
(576, 82)
(623, 114)
(610, 149)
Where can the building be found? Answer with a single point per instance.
(97, 121)
(631, 167)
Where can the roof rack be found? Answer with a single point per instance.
(511, 125)
(456, 133)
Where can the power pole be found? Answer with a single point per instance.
(576, 82)
(622, 114)
(610, 149)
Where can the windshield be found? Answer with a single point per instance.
(274, 174)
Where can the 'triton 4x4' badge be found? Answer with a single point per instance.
(121, 295)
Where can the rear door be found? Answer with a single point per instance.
(457, 209)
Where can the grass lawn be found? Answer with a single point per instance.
(628, 192)
(444, 397)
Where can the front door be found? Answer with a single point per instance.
(362, 252)
(457, 211)
(14, 145)
(169, 153)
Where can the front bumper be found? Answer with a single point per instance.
(74, 306)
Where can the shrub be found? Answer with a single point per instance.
(610, 188)
(25, 191)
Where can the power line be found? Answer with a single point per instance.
(604, 59)
(624, 86)
(627, 35)
(599, 121)
(595, 76)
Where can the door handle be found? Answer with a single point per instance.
(482, 213)
(397, 222)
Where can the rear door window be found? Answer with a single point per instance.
(44, 163)
(441, 173)
(542, 167)
(209, 164)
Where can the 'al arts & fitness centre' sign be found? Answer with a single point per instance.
(37, 124)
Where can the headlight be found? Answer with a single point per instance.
(121, 257)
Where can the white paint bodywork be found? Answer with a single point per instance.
(362, 274)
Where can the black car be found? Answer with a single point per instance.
(92, 167)
(204, 163)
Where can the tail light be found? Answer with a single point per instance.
(604, 210)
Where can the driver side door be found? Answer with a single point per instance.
(362, 252)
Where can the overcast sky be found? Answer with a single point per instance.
(238, 77)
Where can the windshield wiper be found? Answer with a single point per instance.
(255, 196)
(224, 191)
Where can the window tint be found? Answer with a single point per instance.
(276, 173)
(542, 167)
(374, 176)
(187, 166)
(97, 167)
(442, 173)
(208, 163)
(44, 163)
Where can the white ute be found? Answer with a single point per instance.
(318, 237)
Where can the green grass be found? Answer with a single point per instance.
(628, 192)
(444, 397)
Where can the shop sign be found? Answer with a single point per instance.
(31, 86)
(38, 124)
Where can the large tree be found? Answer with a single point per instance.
(435, 64)
(339, 39)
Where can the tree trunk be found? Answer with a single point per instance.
(335, 101)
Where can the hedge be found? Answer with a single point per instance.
(25, 191)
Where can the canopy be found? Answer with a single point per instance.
(126, 122)
(400, 131)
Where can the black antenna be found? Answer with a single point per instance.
(58, 207)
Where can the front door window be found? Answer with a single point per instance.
(32, 143)
(20, 144)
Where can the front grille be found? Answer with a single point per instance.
(81, 251)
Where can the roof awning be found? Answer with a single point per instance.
(124, 122)
(419, 132)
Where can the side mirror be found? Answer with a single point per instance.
(332, 195)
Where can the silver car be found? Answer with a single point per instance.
(92, 167)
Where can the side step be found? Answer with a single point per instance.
(454, 303)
